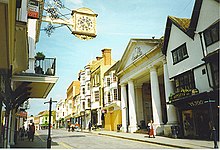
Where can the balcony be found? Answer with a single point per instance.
(45, 67)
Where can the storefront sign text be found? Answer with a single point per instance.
(196, 103)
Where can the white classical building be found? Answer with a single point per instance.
(142, 85)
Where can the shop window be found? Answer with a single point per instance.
(184, 81)
(179, 54)
(211, 35)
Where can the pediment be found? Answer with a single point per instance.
(135, 49)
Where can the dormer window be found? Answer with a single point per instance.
(211, 35)
(179, 54)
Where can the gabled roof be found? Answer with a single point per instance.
(188, 26)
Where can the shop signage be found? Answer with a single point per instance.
(196, 103)
(33, 9)
(22, 114)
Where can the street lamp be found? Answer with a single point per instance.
(49, 125)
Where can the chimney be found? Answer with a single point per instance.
(106, 54)
(98, 58)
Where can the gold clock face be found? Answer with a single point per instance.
(85, 23)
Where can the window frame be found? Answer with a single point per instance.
(209, 33)
(185, 81)
(179, 54)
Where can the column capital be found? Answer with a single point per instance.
(152, 68)
(122, 84)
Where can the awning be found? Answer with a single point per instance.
(196, 100)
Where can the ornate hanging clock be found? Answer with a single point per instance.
(84, 26)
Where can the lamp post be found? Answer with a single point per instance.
(49, 125)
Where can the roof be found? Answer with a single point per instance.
(114, 67)
(188, 26)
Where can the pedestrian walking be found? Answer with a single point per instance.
(151, 129)
(90, 125)
(29, 132)
(73, 128)
(21, 133)
(32, 132)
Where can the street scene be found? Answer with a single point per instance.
(82, 74)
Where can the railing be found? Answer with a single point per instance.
(45, 67)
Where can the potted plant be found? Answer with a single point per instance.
(39, 56)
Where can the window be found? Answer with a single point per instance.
(89, 103)
(114, 78)
(108, 81)
(58, 108)
(184, 81)
(109, 97)
(63, 113)
(115, 94)
(83, 90)
(83, 105)
(88, 86)
(96, 95)
(179, 53)
(215, 73)
(211, 35)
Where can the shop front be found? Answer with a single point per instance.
(199, 115)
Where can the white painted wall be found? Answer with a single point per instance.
(194, 50)
(201, 80)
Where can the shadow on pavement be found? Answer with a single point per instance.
(39, 142)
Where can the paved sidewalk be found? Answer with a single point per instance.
(40, 142)
(176, 143)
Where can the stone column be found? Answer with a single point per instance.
(139, 106)
(132, 110)
(156, 102)
(171, 110)
(124, 107)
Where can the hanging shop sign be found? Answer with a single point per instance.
(22, 114)
(33, 9)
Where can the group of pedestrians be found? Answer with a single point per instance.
(29, 132)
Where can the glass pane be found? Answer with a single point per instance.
(215, 34)
(208, 39)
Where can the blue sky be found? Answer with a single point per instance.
(118, 21)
